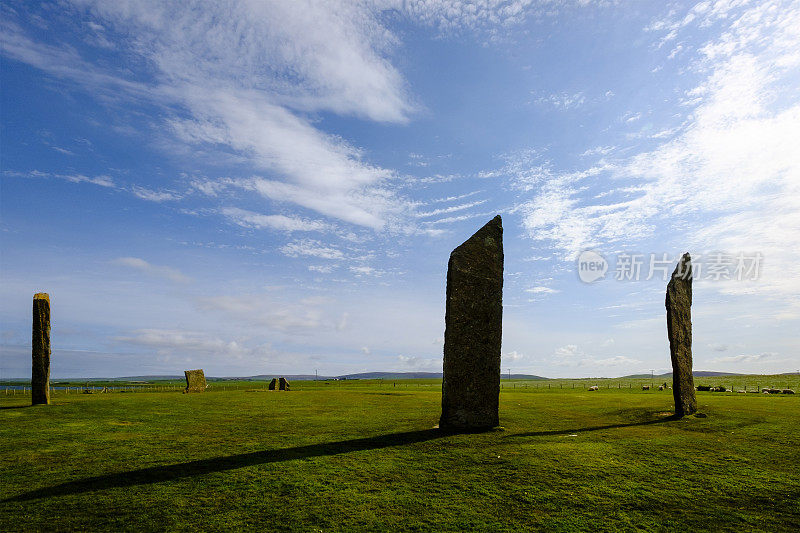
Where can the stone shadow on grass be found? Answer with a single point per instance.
(158, 474)
(15, 406)
(596, 428)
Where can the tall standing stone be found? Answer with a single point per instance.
(40, 350)
(272, 384)
(195, 380)
(283, 384)
(679, 331)
(473, 331)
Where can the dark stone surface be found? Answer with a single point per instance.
(40, 350)
(679, 331)
(283, 384)
(273, 383)
(195, 380)
(473, 332)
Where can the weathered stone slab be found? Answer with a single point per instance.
(473, 332)
(40, 350)
(195, 380)
(283, 384)
(272, 384)
(679, 330)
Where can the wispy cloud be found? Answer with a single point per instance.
(751, 358)
(311, 248)
(154, 196)
(169, 273)
(102, 180)
(191, 343)
(733, 163)
(541, 290)
(451, 209)
(249, 219)
(563, 100)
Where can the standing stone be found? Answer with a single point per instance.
(40, 352)
(272, 384)
(283, 384)
(195, 380)
(473, 332)
(679, 331)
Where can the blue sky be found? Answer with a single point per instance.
(275, 187)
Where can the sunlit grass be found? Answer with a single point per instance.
(363, 455)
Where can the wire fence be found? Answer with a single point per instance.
(726, 384)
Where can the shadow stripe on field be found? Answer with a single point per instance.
(156, 474)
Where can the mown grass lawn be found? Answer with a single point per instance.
(365, 456)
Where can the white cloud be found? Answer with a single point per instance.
(271, 311)
(419, 364)
(191, 342)
(733, 166)
(311, 248)
(563, 100)
(102, 180)
(154, 196)
(513, 356)
(616, 361)
(599, 150)
(169, 273)
(451, 209)
(744, 358)
(450, 220)
(541, 290)
(295, 58)
(366, 271)
(249, 219)
(322, 269)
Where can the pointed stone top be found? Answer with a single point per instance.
(41, 296)
(683, 270)
(492, 229)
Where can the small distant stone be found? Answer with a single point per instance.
(283, 384)
(273, 384)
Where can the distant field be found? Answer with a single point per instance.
(363, 455)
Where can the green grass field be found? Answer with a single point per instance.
(363, 455)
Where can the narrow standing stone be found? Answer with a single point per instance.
(473, 332)
(679, 331)
(40, 350)
(283, 384)
(272, 384)
(195, 380)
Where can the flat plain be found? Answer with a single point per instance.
(364, 455)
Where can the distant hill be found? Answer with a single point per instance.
(304, 377)
(420, 375)
(696, 373)
(371, 375)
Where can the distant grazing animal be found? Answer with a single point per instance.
(787, 391)
(661, 387)
(741, 391)
(645, 387)
(704, 387)
(774, 391)
(594, 387)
